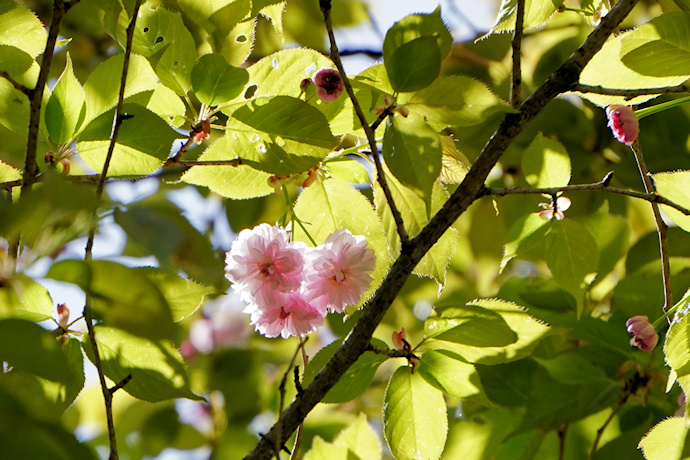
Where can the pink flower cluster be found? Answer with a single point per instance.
(623, 123)
(644, 335)
(290, 287)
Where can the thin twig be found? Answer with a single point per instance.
(562, 432)
(631, 93)
(335, 57)
(120, 384)
(300, 392)
(14, 82)
(279, 444)
(602, 186)
(562, 80)
(517, 57)
(391, 352)
(661, 228)
(88, 310)
(36, 97)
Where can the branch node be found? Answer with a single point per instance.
(120, 385)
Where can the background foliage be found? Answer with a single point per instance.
(517, 324)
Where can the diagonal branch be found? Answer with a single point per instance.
(564, 79)
(631, 93)
(368, 130)
(516, 44)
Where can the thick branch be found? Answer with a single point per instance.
(564, 79)
(368, 130)
(36, 97)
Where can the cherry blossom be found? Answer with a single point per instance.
(340, 270)
(644, 336)
(623, 123)
(263, 261)
(288, 315)
(329, 86)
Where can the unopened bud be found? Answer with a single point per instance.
(62, 315)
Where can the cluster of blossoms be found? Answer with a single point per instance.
(290, 287)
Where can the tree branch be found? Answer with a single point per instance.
(598, 186)
(380, 175)
(564, 79)
(516, 44)
(630, 93)
(14, 82)
(36, 97)
(88, 311)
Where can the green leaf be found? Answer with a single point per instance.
(416, 26)
(675, 186)
(66, 109)
(415, 216)
(347, 170)
(456, 100)
(529, 332)
(14, 108)
(234, 182)
(357, 378)
(525, 234)
(449, 373)
(157, 368)
(414, 65)
(470, 325)
(612, 234)
(143, 143)
(162, 231)
(215, 81)
(21, 28)
(19, 65)
(164, 102)
(121, 296)
(676, 348)
(183, 296)
(659, 48)
(322, 450)
(29, 347)
(537, 12)
(572, 256)
(360, 439)
(281, 73)
(280, 135)
(237, 44)
(24, 298)
(607, 70)
(103, 85)
(546, 163)
(574, 367)
(330, 205)
(412, 150)
(8, 173)
(64, 394)
(666, 441)
(415, 422)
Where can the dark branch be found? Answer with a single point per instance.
(14, 82)
(630, 93)
(517, 50)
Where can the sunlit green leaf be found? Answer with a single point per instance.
(215, 81)
(66, 110)
(64, 394)
(546, 163)
(667, 440)
(676, 187)
(156, 367)
(184, 296)
(450, 374)
(470, 325)
(412, 150)
(121, 296)
(537, 12)
(19, 65)
(21, 28)
(525, 234)
(347, 170)
(23, 298)
(414, 417)
(456, 100)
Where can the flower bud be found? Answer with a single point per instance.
(202, 131)
(399, 339)
(329, 86)
(623, 123)
(62, 315)
(644, 336)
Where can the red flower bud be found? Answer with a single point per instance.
(329, 86)
(623, 123)
(644, 336)
(399, 339)
(62, 315)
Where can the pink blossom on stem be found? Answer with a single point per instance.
(329, 86)
(644, 336)
(263, 261)
(340, 270)
(288, 315)
(623, 123)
